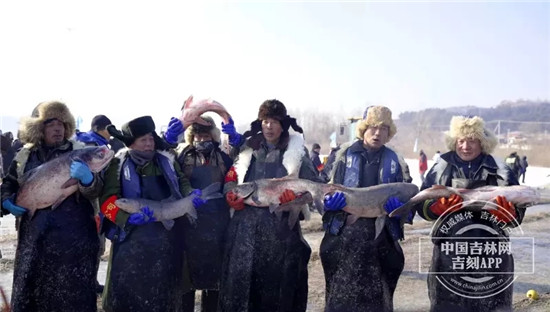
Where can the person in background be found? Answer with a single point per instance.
(524, 164)
(315, 159)
(8, 152)
(56, 256)
(325, 174)
(513, 162)
(203, 163)
(145, 264)
(422, 165)
(468, 164)
(265, 261)
(361, 266)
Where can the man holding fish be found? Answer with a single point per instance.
(145, 265)
(468, 164)
(55, 261)
(363, 260)
(265, 264)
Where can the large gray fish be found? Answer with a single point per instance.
(366, 202)
(50, 183)
(481, 198)
(167, 210)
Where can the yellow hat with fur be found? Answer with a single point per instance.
(375, 116)
(31, 129)
(473, 128)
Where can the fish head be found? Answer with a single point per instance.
(244, 190)
(96, 157)
(128, 205)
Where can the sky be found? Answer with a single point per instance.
(126, 59)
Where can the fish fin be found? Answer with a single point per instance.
(351, 219)
(168, 224)
(379, 225)
(58, 201)
(305, 211)
(69, 183)
(273, 207)
(403, 210)
(319, 206)
(187, 102)
(212, 191)
(293, 218)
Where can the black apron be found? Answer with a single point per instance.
(204, 240)
(145, 269)
(55, 263)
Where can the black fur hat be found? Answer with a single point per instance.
(273, 109)
(136, 128)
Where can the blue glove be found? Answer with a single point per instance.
(197, 201)
(335, 202)
(234, 136)
(13, 208)
(81, 172)
(394, 203)
(175, 129)
(143, 217)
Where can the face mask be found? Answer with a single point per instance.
(204, 147)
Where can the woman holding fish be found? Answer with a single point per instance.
(363, 260)
(57, 243)
(145, 265)
(469, 165)
(203, 163)
(265, 264)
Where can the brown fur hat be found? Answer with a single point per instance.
(197, 128)
(31, 129)
(272, 109)
(375, 116)
(470, 127)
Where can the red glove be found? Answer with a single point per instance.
(454, 202)
(109, 209)
(287, 196)
(234, 201)
(503, 204)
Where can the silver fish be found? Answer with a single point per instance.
(481, 198)
(50, 183)
(167, 210)
(366, 202)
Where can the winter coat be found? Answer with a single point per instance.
(451, 171)
(265, 262)
(55, 261)
(145, 264)
(361, 271)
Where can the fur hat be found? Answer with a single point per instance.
(100, 122)
(470, 127)
(31, 129)
(272, 109)
(375, 116)
(136, 128)
(198, 128)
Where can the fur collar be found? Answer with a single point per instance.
(292, 158)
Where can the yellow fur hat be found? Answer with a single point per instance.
(31, 129)
(375, 116)
(197, 128)
(470, 127)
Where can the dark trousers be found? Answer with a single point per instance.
(209, 301)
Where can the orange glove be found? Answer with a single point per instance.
(454, 202)
(287, 196)
(234, 201)
(503, 204)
